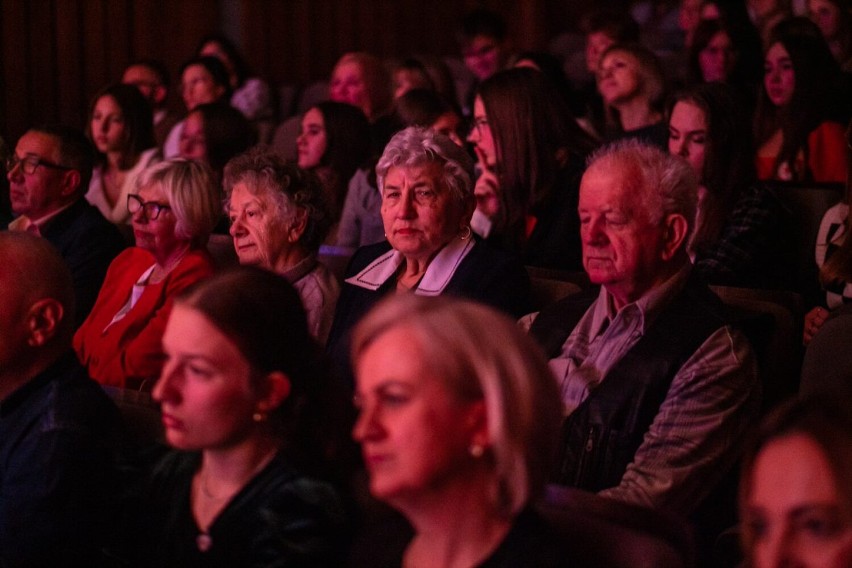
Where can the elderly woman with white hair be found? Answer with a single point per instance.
(279, 218)
(457, 433)
(176, 205)
(426, 185)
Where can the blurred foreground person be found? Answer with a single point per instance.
(56, 467)
(457, 433)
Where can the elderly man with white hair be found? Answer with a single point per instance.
(658, 387)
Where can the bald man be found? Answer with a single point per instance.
(56, 458)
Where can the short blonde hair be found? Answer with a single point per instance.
(193, 195)
(508, 372)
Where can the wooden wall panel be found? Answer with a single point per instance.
(56, 54)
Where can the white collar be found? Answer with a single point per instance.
(438, 274)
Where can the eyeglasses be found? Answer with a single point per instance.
(479, 124)
(151, 209)
(30, 163)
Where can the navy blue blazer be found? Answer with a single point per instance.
(88, 243)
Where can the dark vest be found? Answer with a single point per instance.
(600, 438)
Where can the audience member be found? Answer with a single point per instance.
(465, 450)
(250, 95)
(57, 427)
(485, 49)
(739, 237)
(279, 218)
(631, 82)
(334, 142)
(658, 389)
(766, 14)
(796, 487)
(240, 384)
(152, 79)
(176, 206)
(358, 79)
(602, 29)
(834, 260)
(203, 80)
(422, 107)
(834, 18)
(361, 220)
(48, 175)
(532, 154)
(120, 126)
(426, 184)
(214, 133)
(424, 72)
(798, 136)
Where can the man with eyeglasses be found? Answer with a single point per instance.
(48, 173)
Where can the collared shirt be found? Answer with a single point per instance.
(437, 276)
(25, 224)
(604, 335)
(696, 435)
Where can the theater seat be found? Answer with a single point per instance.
(613, 534)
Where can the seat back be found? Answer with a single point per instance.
(806, 206)
(772, 320)
(605, 532)
(139, 414)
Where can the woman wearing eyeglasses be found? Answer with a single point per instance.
(175, 208)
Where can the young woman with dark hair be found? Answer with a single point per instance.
(532, 154)
(796, 128)
(121, 128)
(737, 239)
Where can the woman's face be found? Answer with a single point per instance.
(108, 127)
(419, 213)
(779, 76)
(312, 142)
(198, 87)
(193, 145)
(618, 77)
(688, 135)
(348, 86)
(794, 509)
(717, 58)
(826, 15)
(260, 236)
(414, 433)
(204, 390)
(157, 236)
(481, 135)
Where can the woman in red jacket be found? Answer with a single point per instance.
(173, 211)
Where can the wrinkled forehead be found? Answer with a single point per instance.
(40, 144)
(619, 181)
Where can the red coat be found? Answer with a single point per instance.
(128, 353)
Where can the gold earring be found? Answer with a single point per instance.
(476, 450)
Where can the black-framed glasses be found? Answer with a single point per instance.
(30, 163)
(480, 123)
(151, 209)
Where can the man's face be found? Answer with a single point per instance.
(484, 56)
(622, 248)
(46, 189)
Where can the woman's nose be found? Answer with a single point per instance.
(366, 427)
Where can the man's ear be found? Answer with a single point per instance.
(43, 321)
(70, 182)
(676, 228)
(277, 389)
